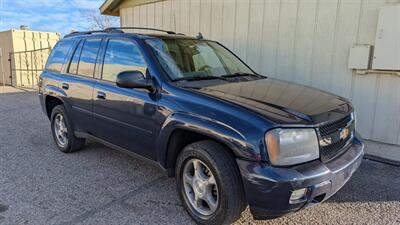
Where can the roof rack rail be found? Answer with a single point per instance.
(75, 33)
(139, 28)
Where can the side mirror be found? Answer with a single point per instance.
(134, 79)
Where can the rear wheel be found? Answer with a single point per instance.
(209, 183)
(63, 133)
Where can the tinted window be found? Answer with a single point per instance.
(58, 55)
(121, 56)
(88, 57)
(73, 66)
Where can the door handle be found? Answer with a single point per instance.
(101, 95)
(65, 86)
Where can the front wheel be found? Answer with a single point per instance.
(209, 183)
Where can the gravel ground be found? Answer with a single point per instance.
(98, 185)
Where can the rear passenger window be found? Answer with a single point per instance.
(58, 55)
(121, 56)
(88, 57)
(73, 66)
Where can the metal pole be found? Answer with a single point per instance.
(2, 70)
(32, 69)
(20, 66)
(11, 72)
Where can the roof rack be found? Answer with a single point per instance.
(139, 28)
(116, 30)
(75, 33)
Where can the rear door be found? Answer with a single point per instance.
(52, 77)
(58, 58)
(79, 82)
(124, 117)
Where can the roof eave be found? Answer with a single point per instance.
(110, 7)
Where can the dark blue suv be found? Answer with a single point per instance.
(230, 136)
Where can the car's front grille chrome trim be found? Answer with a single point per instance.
(331, 141)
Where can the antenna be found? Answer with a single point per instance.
(199, 36)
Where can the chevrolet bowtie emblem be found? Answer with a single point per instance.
(343, 133)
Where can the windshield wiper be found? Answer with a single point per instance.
(223, 77)
(240, 74)
(198, 78)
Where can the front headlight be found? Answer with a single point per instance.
(291, 146)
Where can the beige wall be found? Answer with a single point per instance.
(305, 41)
(6, 47)
(25, 40)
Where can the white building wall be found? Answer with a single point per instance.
(305, 41)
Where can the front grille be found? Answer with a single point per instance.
(334, 126)
(330, 151)
(331, 131)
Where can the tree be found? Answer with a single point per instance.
(96, 21)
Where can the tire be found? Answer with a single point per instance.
(71, 142)
(228, 199)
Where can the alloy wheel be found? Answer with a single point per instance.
(200, 186)
(60, 130)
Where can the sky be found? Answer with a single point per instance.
(48, 15)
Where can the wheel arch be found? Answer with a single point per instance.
(50, 103)
(182, 129)
(52, 96)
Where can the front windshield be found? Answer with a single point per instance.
(186, 58)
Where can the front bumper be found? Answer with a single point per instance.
(268, 189)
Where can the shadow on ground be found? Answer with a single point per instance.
(372, 182)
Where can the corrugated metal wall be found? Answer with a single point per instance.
(305, 41)
(27, 63)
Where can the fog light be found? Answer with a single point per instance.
(298, 195)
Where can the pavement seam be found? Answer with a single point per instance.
(82, 217)
(382, 160)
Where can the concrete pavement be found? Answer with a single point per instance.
(98, 185)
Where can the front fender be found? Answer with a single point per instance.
(207, 127)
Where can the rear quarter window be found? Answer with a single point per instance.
(58, 55)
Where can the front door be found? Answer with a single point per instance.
(124, 117)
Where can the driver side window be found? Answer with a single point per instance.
(122, 55)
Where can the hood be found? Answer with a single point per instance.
(282, 102)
